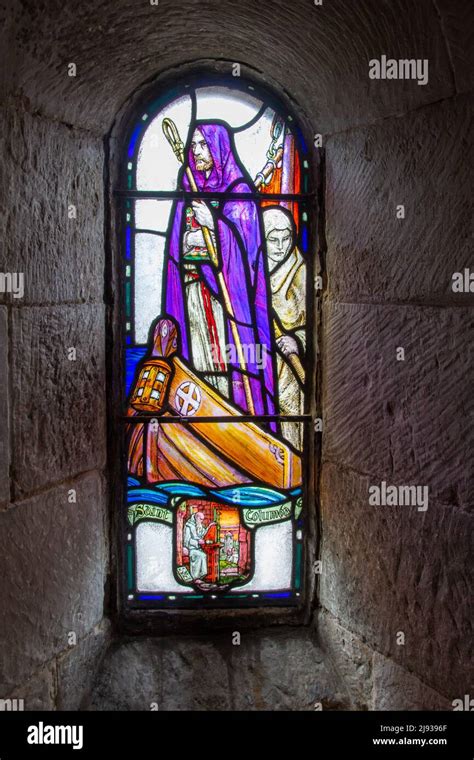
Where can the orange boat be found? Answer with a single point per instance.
(214, 454)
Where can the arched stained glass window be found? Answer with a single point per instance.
(217, 202)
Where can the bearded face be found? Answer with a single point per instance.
(201, 152)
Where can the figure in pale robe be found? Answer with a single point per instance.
(288, 285)
(194, 531)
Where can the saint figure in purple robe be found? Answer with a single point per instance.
(195, 283)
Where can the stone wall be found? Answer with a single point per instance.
(53, 518)
(400, 570)
(387, 285)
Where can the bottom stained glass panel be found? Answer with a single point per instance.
(214, 497)
(231, 545)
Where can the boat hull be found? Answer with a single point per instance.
(217, 454)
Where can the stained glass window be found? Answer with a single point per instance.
(216, 269)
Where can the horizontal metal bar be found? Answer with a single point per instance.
(189, 195)
(139, 418)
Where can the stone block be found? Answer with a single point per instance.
(52, 572)
(349, 656)
(59, 404)
(406, 422)
(457, 19)
(4, 410)
(129, 678)
(391, 570)
(284, 670)
(38, 693)
(46, 168)
(397, 689)
(421, 161)
(77, 668)
(195, 675)
(162, 674)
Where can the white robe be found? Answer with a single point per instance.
(197, 557)
(288, 285)
(203, 353)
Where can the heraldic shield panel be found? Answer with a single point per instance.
(215, 271)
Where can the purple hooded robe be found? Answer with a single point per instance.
(241, 257)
